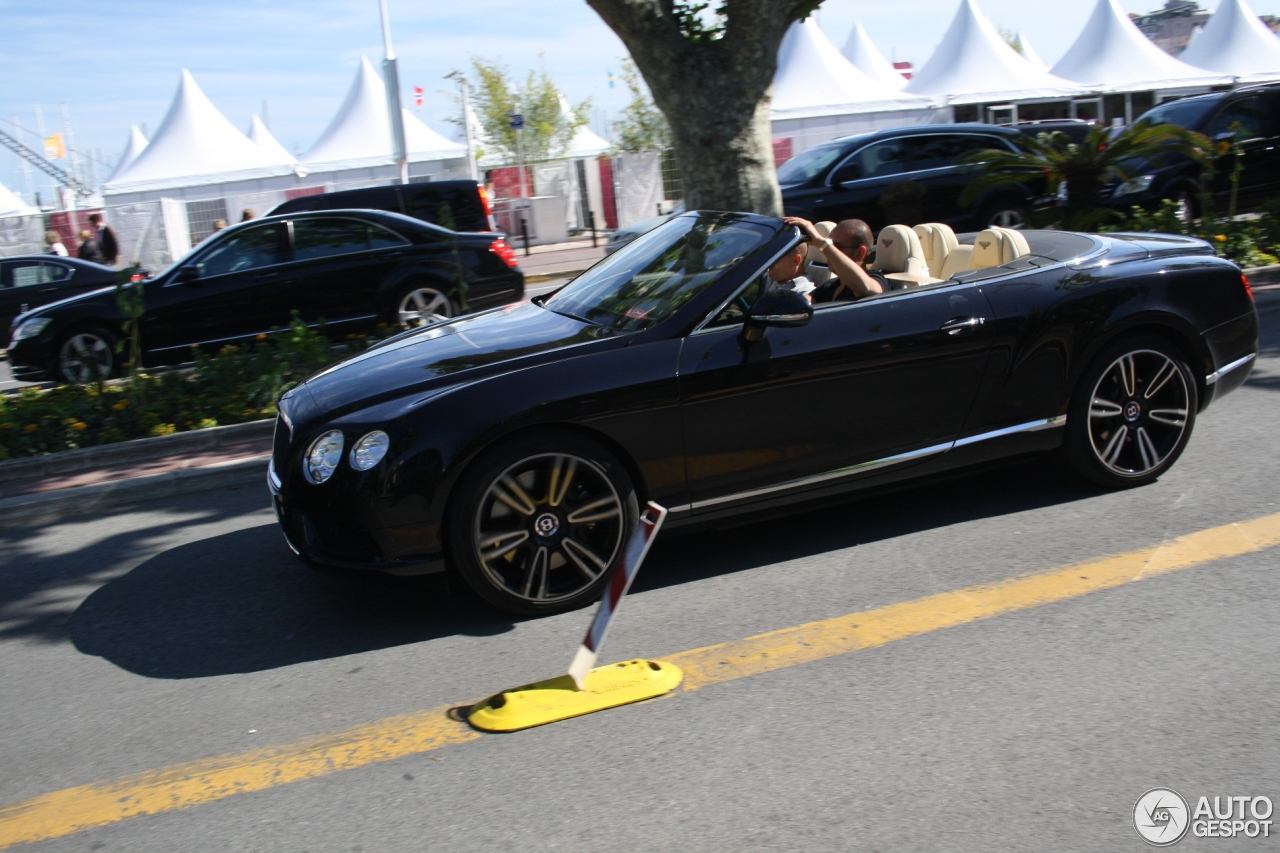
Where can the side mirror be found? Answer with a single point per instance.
(782, 308)
(189, 274)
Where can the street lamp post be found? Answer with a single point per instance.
(466, 122)
(392, 76)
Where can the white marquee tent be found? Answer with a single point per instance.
(262, 137)
(867, 58)
(1112, 55)
(11, 205)
(132, 149)
(974, 64)
(1236, 42)
(819, 95)
(1029, 53)
(194, 145)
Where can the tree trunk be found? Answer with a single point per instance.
(715, 93)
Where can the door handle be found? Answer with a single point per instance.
(962, 324)
(48, 289)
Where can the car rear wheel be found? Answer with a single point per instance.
(1006, 215)
(421, 305)
(87, 354)
(1132, 414)
(540, 523)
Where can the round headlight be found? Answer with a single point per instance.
(369, 450)
(323, 456)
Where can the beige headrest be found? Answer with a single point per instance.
(815, 256)
(997, 246)
(1019, 240)
(895, 246)
(937, 240)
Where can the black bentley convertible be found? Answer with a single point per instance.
(515, 445)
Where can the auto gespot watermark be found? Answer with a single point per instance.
(1163, 817)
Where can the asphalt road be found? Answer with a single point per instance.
(184, 630)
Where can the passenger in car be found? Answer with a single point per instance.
(787, 273)
(846, 251)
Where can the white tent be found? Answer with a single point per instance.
(585, 142)
(132, 149)
(1029, 53)
(1236, 42)
(815, 79)
(11, 205)
(195, 144)
(1112, 55)
(360, 133)
(864, 55)
(262, 137)
(973, 64)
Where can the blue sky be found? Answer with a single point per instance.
(117, 63)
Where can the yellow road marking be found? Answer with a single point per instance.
(207, 780)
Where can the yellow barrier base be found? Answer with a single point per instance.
(559, 698)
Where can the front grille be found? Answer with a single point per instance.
(280, 445)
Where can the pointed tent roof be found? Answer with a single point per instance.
(132, 149)
(11, 205)
(1029, 53)
(973, 64)
(585, 142)
(814, 79)
(262, 137)
(193, 141)
(864, 55)
(1236, 42)
(1112, 55)
(360, 133)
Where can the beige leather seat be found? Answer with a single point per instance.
(997, 246)
(815, 263)
(937, 240)
(900, 257)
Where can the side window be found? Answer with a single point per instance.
(27, 274)
(381, 238)
(323, 238)
(882, 158)
(57, 272)
(245, 250)
(736, 311)
(1245, 118)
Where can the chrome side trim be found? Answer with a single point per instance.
(830, 475)
(1030, 426)
(1227, 368)
(909, 456)
(273, 479)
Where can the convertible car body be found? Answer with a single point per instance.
(516, 444)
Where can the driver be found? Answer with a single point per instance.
(785, 274)
(846, 251)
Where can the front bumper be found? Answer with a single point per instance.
(32, 359)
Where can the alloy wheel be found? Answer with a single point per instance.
(1008, 218)
(1138, 412)
(423, 306)
(547, 527)
(85, 357)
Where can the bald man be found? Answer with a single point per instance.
(846, 251)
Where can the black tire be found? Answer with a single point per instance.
(520, 548)
(85, 351)
(1132, 413)
(429, 300)
(1005, 214)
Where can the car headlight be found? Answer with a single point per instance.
(31, 328)
(1137, 185)
(323, 456)
(369, 450)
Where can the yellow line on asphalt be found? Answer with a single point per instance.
(207, 780)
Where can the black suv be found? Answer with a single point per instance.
(1248, 117)
(456, 205)
(905, 175)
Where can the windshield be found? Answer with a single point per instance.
(649, 280)
(1188, 113)
(807, 165)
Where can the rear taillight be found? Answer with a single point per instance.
(1247, 289)
(500, 248)
(484, 200)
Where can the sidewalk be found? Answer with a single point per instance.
(558, 260)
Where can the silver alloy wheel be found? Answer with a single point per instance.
(1008, 218)
(548, 526)
(423, 306)
(85, 357)
(1138, 412)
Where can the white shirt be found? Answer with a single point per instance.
(799, 284)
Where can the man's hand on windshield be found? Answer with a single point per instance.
(806, 228)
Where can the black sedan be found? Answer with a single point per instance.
(516, 445)
(29, 281)
(347, 270)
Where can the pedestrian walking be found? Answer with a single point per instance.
(89, 249)
(53, 240)
(107, 243)
(246, 215)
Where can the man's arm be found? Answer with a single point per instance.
(850, 273)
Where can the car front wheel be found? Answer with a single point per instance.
(87, 354)
(1132, 414)
(540, 523)
(421, 305)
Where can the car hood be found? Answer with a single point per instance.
(450, 353)
(102, 294)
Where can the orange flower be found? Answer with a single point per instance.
(262, 336)
(79, 426)
(121, 406)
(1221, 238)
(30, 428)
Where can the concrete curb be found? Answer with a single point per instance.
(46, 507)
(1263, 275)
(138, 450)
(537, 278)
